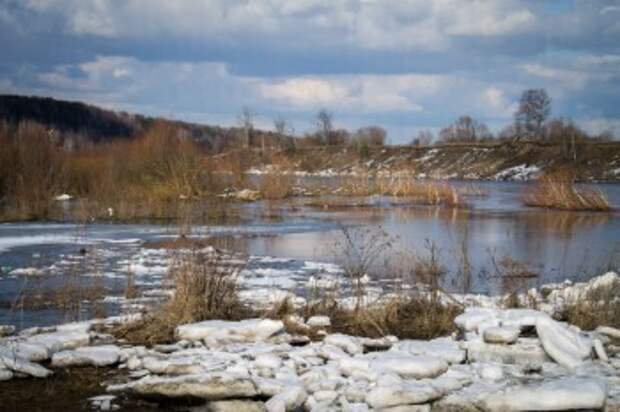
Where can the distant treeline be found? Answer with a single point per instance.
(70, 117)
(75, 124)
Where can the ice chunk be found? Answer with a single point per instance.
(209, 386)
(472, 317)
(558, 395)
(234, 406)
(23, 366)
(501, 334)
(600, 350)
(491, 372)
(319, 321)
(227, 331)
(289, 400)
(103, 402)
(444, 348)
(524, 351)
(609, 331)
(268, 361)
(565, 346)
(5, 374)
(350, 344)
(409, 366)
(93, 356)
(405, 394)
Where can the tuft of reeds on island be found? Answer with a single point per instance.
(558, 190)
(404, 185)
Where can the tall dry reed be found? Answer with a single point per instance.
(558, 190)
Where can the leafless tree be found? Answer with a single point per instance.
(564, 133)
(283, 127)
(464, 129)
(325, 126)
(423, 138)
(534, 109)
(246, 121)
(371, 135)
(284, 132)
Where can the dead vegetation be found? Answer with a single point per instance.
(205, 288)
(601, 307)
(406, 317)
(403, 186)
(558, 190)
(419, 313)
(276, 186)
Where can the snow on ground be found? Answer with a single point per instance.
(519, 173)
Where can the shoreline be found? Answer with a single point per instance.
(261, 364)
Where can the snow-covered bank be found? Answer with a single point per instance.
(499, 360)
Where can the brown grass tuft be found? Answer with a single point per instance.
(404, 185)
(276, 186)
(600, 308)
(557, 190)
(406, 317)
(206, 288)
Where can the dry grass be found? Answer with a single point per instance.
(406, 317)
(600, 308)
(405, 186)
(72, 297)
(32, 172)
(276, 186)
(558, 191)
(205, 288)
(146, 177)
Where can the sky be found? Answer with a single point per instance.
(406, 65)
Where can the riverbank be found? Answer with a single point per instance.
(495, 361)
(503, 161)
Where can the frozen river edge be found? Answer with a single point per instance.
(500, 360)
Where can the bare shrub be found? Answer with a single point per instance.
(358, 249)
(34, 172)
(513, 276)
(557, 190)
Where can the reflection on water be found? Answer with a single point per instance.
(555, 245)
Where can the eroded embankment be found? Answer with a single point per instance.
(498, 161)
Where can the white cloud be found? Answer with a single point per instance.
(305, 92)
(486, 18)
(365, 24)
(569, 78)
(600, 125)
(94, 75)
(496, 104)
(366, 93)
